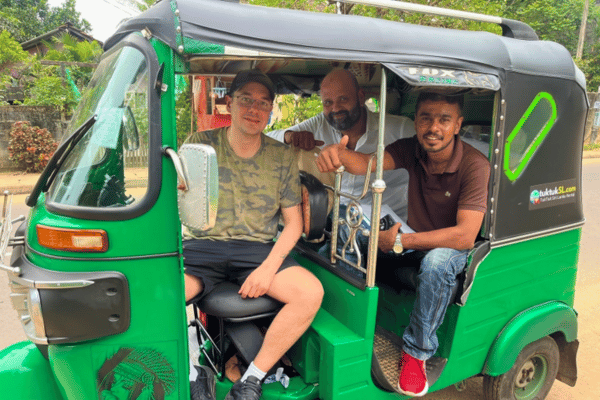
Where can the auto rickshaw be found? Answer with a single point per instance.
(96, 271)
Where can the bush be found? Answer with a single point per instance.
(30, 147)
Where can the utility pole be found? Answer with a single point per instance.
(582, 29)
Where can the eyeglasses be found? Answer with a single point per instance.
(262, 105)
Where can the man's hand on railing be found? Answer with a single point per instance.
(388, 237)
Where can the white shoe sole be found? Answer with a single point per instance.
(422, 393)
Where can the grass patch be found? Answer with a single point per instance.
(595, 146)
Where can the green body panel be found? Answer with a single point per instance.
(336, 351)
(526, 328)
(510, 280)
(26, 374)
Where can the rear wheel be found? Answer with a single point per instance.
(531, 377)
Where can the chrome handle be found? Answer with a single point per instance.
(11, 270)
(178, 167)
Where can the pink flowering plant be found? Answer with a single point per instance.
(30, 147)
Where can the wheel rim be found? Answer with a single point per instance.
(531, 377)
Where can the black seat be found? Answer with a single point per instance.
(225, 302)
(234, 315)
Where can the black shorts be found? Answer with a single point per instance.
(216, 261)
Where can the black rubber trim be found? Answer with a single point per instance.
(76, 314)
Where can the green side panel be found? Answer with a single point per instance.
(526, 328)
(152, 355)
(523, 129)
(192, 46)
(510, 280)
(336, 352)
(25, 374)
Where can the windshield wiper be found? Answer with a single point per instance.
(58, 158)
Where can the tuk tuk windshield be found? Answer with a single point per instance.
(108, 167)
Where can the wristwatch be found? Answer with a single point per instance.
(398, 248)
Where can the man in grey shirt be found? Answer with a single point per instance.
(344, 113)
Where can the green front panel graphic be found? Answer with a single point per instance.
(528, 134)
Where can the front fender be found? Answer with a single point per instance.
(527, 327)
(25, 374)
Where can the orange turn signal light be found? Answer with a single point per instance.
(81, 240)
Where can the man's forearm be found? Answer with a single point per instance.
(354, 162)
(292, 230)
(451, 238)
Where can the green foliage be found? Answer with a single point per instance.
(183, 114)
(11, 54)
(10, 50)
(30, 147)
(50, 91)
(27, 19)
(67, 48)
(553, 20)
(316, 5)
(143, 5)
(594, 146)
(66, 12)
(297, 108)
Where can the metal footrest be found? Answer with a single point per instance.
(387, 348)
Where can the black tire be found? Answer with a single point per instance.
(531, 377)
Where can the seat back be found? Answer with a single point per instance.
(315, 206)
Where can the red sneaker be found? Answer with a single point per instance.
(413, 378)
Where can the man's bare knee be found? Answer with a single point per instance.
(301, 288)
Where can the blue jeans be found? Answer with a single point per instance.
(438, 270)
(435, 283)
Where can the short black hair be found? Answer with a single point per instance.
(434, 96)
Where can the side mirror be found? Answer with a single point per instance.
(131, 136)
(198, 174)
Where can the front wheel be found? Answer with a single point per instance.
(531, 377)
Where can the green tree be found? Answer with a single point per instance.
(10, 50)
(27, 19)
(50, 85)
(67, 48)
(296, 109)
(66, 12)
(50, 90)
(11, 54)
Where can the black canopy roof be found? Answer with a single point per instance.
(345, 37)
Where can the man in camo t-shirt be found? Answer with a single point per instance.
(258, 183)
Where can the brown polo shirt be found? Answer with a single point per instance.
(434, 199)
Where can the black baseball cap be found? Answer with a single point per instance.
(251, 75)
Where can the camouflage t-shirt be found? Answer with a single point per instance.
(252, 191)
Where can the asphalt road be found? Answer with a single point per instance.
(587, 303)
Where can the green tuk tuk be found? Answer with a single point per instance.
(96, 271)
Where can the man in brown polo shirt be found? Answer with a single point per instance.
(447, 200)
